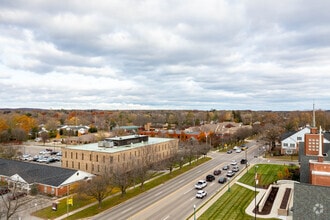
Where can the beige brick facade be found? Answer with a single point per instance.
(98, 160)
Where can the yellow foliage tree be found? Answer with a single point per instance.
(3, 125)
(24, 122)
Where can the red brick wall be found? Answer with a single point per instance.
(320, 180)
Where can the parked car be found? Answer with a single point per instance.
(226, 167)
(4, 190)
(235, 169)
(229, 151)
(210, 178)
(230, 173)
(201, 194)
(238, 150)
(16, 195)
(243, 161)
(51, 160)
(216, 172)
(200, 184)
(222, 180)
(233, 162)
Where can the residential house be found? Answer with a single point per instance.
(290, 140)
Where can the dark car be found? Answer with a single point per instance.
(216, 172)
(210, 178)
(229, 152)
(243, 161)
(16, 195)
(222, 180)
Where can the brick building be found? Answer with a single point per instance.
(118, 152)
(49, 180)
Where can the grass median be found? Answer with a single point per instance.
(113, 200)
(232, 205)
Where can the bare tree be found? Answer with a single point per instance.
(143, 166)
(12, 202)
(44, 136)
(121, 178)
(99, 188)
(8, 152)
(18, 134)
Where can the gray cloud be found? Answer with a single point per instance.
(164, 54)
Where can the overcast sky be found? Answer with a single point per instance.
(158, 54)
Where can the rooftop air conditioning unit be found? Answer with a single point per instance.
(100, 144)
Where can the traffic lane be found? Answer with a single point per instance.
(123, 211)
(146, 199)
(177, 204)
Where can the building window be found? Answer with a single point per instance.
(92, 167)
(86, 166)
(285, 144)
(82, 156)
(66, 163)
(71, 155)
(72, 164)
(76, 155)
(111, 159)
(97, 158)
(103, 159)
(65, 154)
(90, 157)
(98, 168)
(292, 145)
(79, 165)
(299, 138)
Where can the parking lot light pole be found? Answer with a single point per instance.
(194, 212)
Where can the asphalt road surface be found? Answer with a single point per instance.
(175, 199)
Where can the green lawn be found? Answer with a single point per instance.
(47, 212)
(267, 174)
(232, 205)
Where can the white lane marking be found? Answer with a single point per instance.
(199, 171)
(158, 193)
(166, 217)
(126, 210)
(181, 181)
(187, 191)
(192, 198)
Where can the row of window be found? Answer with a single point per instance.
(122, 156)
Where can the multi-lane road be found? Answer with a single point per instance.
(175, 199)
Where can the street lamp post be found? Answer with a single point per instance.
(246, 161)
(228, 184)
(194, 212)
(255, 192)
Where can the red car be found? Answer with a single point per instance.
(216, 172)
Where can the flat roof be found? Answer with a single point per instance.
(125, 137)
(95, 147)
